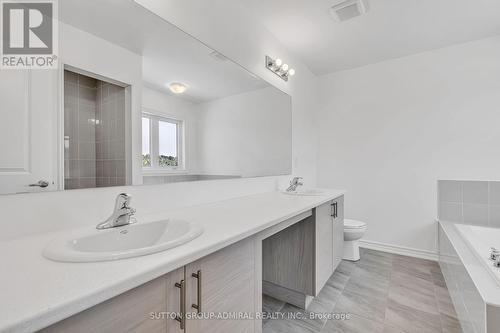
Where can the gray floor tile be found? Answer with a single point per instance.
(391, 329)
(413, 269)
(382, 292)
(414, 283)
(450, 324)
(365, 306)
(338, 280)
(355, 324)
(285, 326)
(345, 267)
(368, 284)
(326, 300)
(411, 320)
(312, 323)
(271, 305)
(372, 271)
(411, 296)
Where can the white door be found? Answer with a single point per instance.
(28, 130)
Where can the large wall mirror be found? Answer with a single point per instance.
(136, 101)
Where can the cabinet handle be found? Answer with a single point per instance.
(336, 209)
(181, 318)
(197, 276)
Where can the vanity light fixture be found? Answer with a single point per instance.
(177, 87)
(279, 68)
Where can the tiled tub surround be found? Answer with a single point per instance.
(470, 202)
(382, 292)
(94, 132)
(474, 291)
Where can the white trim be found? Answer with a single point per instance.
(60, 128)
(396, 249)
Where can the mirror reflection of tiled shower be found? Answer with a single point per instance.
(94, 132)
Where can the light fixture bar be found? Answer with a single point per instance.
(279, 68)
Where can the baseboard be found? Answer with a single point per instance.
(396, 249)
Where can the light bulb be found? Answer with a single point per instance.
(278, 62)
(291, 72)
(284, 68)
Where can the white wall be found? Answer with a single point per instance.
(161, 103)
(388, 131)
(246, 135)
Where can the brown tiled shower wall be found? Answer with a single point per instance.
(94, 132)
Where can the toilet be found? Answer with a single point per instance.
(353, 231)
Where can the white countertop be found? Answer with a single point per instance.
(36, 292)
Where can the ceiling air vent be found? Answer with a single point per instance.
(347, 9)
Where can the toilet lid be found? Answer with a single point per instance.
(354, 224)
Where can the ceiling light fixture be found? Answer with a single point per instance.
(279, 68)
(177, 87)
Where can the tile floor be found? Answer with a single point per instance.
(382, 292)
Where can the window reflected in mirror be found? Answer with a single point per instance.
(161, 143)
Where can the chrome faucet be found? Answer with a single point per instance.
(294, 183)
(122, 214)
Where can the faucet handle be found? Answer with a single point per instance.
(123, 201)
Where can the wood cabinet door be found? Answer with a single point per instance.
(227, 286)
(324, 245)
(138, 310)
(174, 294)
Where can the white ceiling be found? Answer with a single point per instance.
(391, 28)
(169, 55)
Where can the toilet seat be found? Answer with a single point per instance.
(354, 224)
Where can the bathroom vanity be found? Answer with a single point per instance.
(220, 272)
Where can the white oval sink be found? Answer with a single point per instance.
(121, 242)
(306, 192)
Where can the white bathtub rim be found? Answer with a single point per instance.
(480, 256)
(484, 281)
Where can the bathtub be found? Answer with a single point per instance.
(473, 282)
(480, 240)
